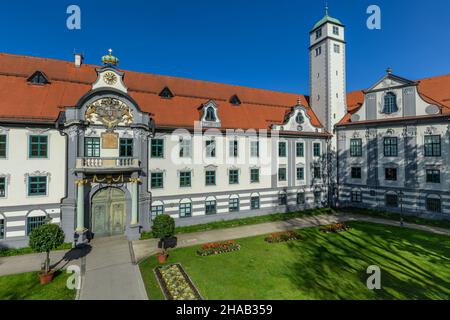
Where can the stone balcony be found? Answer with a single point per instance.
(107, 165)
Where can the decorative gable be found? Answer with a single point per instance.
(210, 117)
(297, 120)
(38, 78)
(109, 76)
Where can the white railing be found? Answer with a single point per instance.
(107, 163)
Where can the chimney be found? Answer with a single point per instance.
(78, 59)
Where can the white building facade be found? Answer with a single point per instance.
(102, 151)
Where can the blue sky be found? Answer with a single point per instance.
(257, 43)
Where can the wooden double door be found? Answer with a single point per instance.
(109, 212)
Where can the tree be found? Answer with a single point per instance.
(46, 238)
(163, 227)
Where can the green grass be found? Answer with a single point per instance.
(7, 252)
(225, 224)
(414, 264)
(396, 216)
(26, 286)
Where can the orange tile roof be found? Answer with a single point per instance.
(21, 100)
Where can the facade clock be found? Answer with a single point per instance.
(110, 78)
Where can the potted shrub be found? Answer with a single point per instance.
(164, 229)
(44, 239)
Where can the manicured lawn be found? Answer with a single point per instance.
(414, 264)
(225, 224)
(26, 286)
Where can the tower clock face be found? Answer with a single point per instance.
(110, 78)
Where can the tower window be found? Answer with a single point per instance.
(390, 103)
(318, 33)
(337, 48)
(335, 30)
(318, 51)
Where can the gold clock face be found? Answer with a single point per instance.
(110, 78)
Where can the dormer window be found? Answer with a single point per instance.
(390, 103)
(235, 100)
(210, 114)
(166, 93)
(299, 118)
(38, 78)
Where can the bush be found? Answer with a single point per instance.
(163, 227)
(46, 238)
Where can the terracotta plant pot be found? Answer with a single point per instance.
(45, 278)
(162, 257)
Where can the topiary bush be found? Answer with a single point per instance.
(46, 238)
(163, 227)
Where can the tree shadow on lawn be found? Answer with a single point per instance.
(333, 266)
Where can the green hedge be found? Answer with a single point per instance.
(7, 252)
(224, 224)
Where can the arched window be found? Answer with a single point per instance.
(390, 103)
(300, 119)
(185, 208)
(210, 114)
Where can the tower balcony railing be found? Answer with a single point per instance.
(107, 164)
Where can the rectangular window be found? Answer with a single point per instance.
(185, 210)
(318, 51)
(3, 146)
(2, 228)
(392, 200)
(210, 148)
(335, 30)
(300, 149)
(126, 148)
(185, 148)
(356, 147)
(432, 146)
(390, 147)
(34, 223)
(233, 205)
(185, 179)
(2, 187)
(234, 147)
(210, 178)
(433, 176)
(317, 174)
(356, 173)
(254, 149)
(433, 205)
(337, 48)
(317, 197)
(356, 196)
(282, 149)
(300, 174)
(210, 207)
(390, 174)
(38, 147)
(282, 199)
(156, 180)
(301, 198)
(316, 149)
(254, 175)
(254, 203)
(157, 210)
(233, 176)
(157, 148)
(282, 174)
(37, 186)
(92, 147)
(318, 33)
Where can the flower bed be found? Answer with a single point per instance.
(218, 248)
(176, 284)
(282, 237)
(335, 228)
